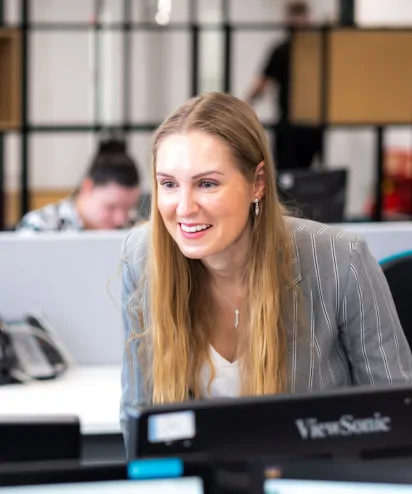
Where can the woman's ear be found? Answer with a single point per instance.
(260, 181)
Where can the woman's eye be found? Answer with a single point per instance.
(167, 184)
(207, 185)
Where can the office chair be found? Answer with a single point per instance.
(398, 273)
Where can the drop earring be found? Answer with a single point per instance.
(256, 206)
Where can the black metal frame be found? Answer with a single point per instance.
(194, 27)
(2, 171)
(25, 166)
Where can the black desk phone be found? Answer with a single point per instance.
(30, 350)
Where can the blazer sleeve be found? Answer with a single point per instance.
(371, 332)
(132, 393)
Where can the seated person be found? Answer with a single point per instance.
(226, 294)
(106, 199)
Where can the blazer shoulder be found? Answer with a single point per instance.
(322, 249)
(134, 247)
(304, 230)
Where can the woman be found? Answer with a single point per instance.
(106, 199)
(224, 295)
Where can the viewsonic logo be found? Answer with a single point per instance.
(347, 425)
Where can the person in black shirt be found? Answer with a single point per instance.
(295, 145)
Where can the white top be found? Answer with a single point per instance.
(90, 393)
(227, 377)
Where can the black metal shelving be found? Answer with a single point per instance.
(127, 27)
(2, 170)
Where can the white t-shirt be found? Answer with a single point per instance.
(227, 377)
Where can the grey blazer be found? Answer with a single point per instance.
(352, 336)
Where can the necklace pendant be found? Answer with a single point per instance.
(236, 318)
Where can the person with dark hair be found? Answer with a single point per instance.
(295, 146)
(106, 198)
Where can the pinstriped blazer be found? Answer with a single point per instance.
(352, 333)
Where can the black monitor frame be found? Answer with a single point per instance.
(36, 438)
(305, 425)
(59, 472)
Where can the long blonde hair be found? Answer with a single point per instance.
(179, 330)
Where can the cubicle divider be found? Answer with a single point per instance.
(384, 239)
(74, 280)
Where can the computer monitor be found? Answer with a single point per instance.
(358, 421)
(316, 195)
(24, 439)
(333, 478)
(71, 478)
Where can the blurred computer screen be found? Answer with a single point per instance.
(315, 195)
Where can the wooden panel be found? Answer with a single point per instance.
(305, 94)
(39, 198)
(370, 78)
(10, 79)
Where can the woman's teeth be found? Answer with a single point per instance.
(193, 229)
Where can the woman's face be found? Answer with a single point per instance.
(203, 198)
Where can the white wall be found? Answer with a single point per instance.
(62, 72)
(61, 86)
(384, 12)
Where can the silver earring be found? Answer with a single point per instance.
(256, 206)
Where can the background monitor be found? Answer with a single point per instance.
(315, 195)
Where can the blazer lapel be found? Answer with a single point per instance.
(296, 268)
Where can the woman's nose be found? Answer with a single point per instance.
(187, 205)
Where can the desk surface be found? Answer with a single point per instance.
(90, 393)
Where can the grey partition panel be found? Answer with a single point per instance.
(74, 280)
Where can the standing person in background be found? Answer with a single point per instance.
(296, 145)
(106, 199)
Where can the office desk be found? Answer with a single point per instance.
(90, 393)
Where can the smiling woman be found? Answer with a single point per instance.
(224, 294)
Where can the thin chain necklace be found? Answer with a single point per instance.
(234, 307)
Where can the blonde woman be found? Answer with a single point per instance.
(225, 295)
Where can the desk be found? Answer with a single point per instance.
(90, 393)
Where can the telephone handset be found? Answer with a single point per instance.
(30, 350)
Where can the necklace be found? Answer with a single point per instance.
(234, 307)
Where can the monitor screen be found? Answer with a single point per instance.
(317, 195)
(289, 486)
(184, 485)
